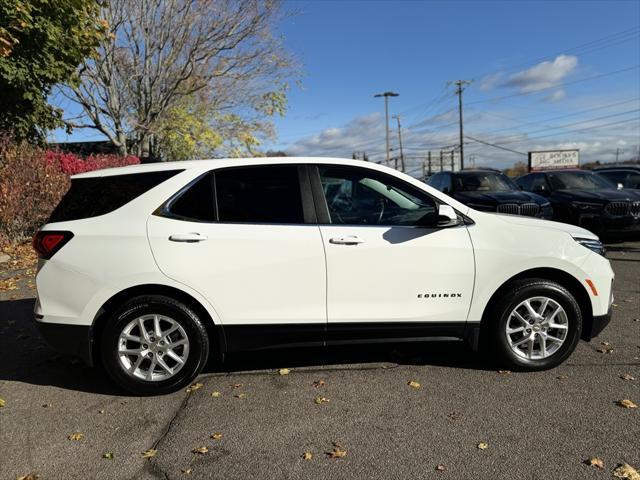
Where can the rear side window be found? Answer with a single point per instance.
(196, 202)
(265, 194)
(90, 197)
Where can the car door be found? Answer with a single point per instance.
(391, 273)
(252, 249)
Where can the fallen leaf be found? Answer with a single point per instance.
(337, 452)
(483, 446)
(626, 376)
(307, 456)
(149, 453)
(595, 462)
(319, 383)
(504, 372)
(215, 394)
(284, 371)
(47, 405)
(241, 395)
(200, 451)
(108, 455)
(320, 400)
(562, 377)
(76, 436)
(101, 412)
(440, 468)
(187, 471)
(2, 403)
(29, 476)
(413, 384)
(237, 385)
(636, 319)
(194, 387)
(614, 305)
(216, 436)
(626, 471)
(604, 349)
(606, 344)
(627, 403)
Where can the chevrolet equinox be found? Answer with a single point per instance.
(149, 269)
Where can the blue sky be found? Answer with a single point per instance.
(525, 51)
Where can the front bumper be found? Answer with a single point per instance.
(602, 223)
(598, 324)
(74, 340)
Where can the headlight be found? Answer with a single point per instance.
(592, 244)
(586, 206)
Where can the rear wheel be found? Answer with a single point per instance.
(153, 345)
(535, 326)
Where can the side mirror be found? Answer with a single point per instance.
(447, 216)
(620, 186)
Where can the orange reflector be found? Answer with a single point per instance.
(592, 287)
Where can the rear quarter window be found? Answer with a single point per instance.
(94, 196)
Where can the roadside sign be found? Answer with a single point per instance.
(551, 159)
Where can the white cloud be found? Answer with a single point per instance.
(489, 81)
(543, 75)
(556, 95)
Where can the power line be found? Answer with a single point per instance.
(602, 107)
(570, 124)
(495, 146)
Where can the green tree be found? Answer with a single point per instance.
(42, 42)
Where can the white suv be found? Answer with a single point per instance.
(149, 268)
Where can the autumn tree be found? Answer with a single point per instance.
(185, 78)
(41, 44)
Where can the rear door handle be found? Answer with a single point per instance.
(348, 240)
(192, 237)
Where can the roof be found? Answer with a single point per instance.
(617, 167)
(209, 164)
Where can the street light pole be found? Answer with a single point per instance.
(386, 96)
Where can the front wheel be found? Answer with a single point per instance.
(535, 326)
(154, 345)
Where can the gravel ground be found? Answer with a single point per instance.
(536, 425)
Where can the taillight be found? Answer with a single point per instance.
(46, 243)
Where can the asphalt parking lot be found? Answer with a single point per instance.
(63, 420)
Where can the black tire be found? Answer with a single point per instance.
(154, 304)
(496, 341)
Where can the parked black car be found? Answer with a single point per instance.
(627, 175)
(586, 199)
(490, 191)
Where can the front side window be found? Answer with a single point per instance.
(357, 196)
(264, 194)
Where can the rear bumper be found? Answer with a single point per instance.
(75, 340)
(598, 325)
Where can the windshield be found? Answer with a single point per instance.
(483, 182)
(578, 181)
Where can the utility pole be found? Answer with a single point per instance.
(617, 154)
(397, 117)
(460, 84)
(386, 96)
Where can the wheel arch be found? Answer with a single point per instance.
(215, 332)
(561, 277)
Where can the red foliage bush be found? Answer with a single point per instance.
(33, 180)
(71, 164)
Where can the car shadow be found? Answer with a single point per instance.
(28, 359)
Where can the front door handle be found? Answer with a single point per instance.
(192, 237)
(348, 240)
